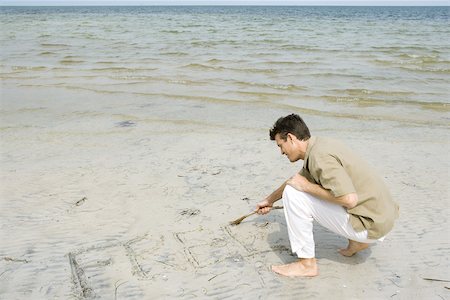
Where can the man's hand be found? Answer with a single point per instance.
(263, 207)
(349, 201)
(299, 183)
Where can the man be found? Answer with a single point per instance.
(335, 187)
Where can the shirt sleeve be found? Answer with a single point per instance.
(331, 175)
(307, 175)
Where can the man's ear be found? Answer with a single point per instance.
(290, 136)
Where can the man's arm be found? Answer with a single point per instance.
(265, 206)
(302, 184)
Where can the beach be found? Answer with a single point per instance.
(131, 137)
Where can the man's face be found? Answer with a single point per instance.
(287, 147)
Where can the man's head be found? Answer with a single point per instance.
(291, 135)
(292, 124)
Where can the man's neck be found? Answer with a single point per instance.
(303, 147)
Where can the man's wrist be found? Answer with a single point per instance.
(269, 202)
(308, 188)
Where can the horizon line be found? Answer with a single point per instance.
(374, 3)
(237, 5)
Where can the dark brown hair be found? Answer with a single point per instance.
(290, 124)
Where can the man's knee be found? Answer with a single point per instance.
(290, 192)
(297, 204)
(287, 192)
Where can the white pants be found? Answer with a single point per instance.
(300, 209)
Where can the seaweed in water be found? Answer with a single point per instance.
(125, 124)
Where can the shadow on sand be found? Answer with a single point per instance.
(327, 244)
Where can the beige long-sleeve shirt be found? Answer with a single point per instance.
(336, 168)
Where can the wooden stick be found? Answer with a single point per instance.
(238, 221)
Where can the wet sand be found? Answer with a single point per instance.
(132, 200)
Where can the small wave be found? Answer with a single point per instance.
(207, 44)
(289, 87)
(203, 67)
(105, 62)
(193, 25)
(134, 77)
(8, 76)
(28, 68)
(419, 57)
(186, 82)
(263, 54)
(290, 63)
(396, 49)
(383, 62)
(176, 53)
(70, 61)
(390, 118)
(50, 45)
(121, 69)
(358, 100)
(255, 70)
(286, 87)
(59, 69)
(408, 58)
(271, 41)
(299, 48)
(146, 94)
(332, 74)
(366, 101)
(263, 95)
(174, 31)
(436, 106)
(46, 53)
(128, 83)
(283, 63)
(227, 42)
(365, 92)
(89, 36)
(420, 68)
(215, 61)
(91, 89)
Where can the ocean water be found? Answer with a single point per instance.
(374, 63)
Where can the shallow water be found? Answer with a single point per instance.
(353, 62)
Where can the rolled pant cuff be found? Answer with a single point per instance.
(301, 253)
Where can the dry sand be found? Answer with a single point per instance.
(132, 201)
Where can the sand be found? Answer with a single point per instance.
(132, 200)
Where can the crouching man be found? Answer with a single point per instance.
(335, 187)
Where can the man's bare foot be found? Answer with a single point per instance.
(353, 247)
(305, 267)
